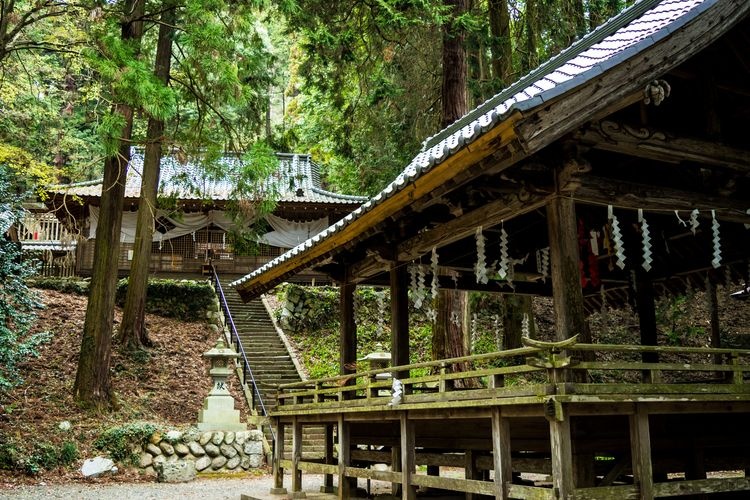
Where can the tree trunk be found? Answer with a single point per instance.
(448, 331)
(500, 43)
(530, 55)
(92, 384)
(454, 94)
(133, 331)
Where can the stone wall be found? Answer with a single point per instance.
(211, 451)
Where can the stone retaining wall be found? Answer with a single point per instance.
(211, 451)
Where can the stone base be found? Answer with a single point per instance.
(328, 489)
(277, 491)
(211, 426)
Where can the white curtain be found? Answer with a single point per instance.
(184, 224)
(289, 234)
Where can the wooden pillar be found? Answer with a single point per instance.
(399, 317)
(567, 294)
(640, 451)
(278, 456)
(713, 311)
(328, 478)
(344, 490)
(296, 459)
(396, 467)
(501, 453)
(644, 300)
(562, 457)
(408, 492)
(348, 332)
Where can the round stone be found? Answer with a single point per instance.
(181, 449)
(233, 463)
(196, 449)
(202, 463)
(218, 462)
(229, 438)
(228, 451)
(146, 460)
(212, 450)
(153, 449)
(167, 448)
(245, 463)
(218, 438)
(206, 438)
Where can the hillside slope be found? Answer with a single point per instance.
(164, 385)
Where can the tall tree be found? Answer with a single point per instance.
(454, 88)
(92, 385)
(133, 334)
(500, 42)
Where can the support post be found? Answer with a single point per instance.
(501, 453)
(296, 458)
(567, 294)
(396, 467)
(348, 329)
(640, 451)
(644, 301)
(562, 457)
(328, 478)
(408, 492)
(713, 310)
(278, 456)
(399, 280)
(344, 491)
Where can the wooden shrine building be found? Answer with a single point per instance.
(198, 225)
(616, 172)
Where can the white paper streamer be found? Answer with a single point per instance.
(716, 262)
(525, 325)
(679, 219)
(647, 259)
(542, 262)
(474, 332)
(502, 269)
(434, 289)
(397, 392)
(694, 220)
(496, 329)
(480, 268)
(616, 238)
(594, 241)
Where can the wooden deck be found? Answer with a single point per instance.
(595, 421)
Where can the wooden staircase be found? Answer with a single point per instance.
(270, 362)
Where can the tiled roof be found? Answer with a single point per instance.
(297, 180)
(622, 37)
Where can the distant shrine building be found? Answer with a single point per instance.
(197, 225)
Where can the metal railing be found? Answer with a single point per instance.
(247, 372)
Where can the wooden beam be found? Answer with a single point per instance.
(328, 457)
(348, 332)
(624, 194)
(567, 294)
(643, 142)
(278, 456)
(640, 451)
(501, 453)
(488, 215)
(344, 489)
(408, 491)
(296, 459)
(399, 316)
(562, 457)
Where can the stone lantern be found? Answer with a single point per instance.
(218, 413)
(378, 359)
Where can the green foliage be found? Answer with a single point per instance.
(673, 316)
(78, 286)
(121, 441)
(184, 299)
(17, 302)
(43, 456)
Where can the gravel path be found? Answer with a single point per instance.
(200, 489)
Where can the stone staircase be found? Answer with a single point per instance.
(270, 362)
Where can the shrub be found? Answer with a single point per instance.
(77, 286)
(184, 299)
(120, 442)
(43, 456)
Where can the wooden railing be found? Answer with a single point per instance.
(567, 369)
